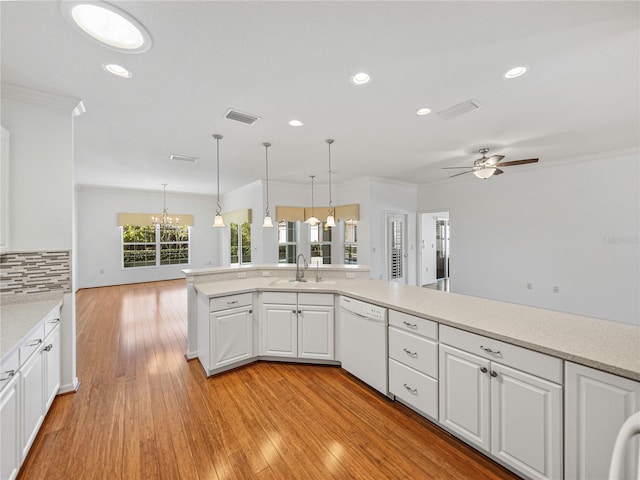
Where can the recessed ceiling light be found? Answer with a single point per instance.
(118, 70)
(516, 72)
(360, 78)
(108, 25)
(295, 123)
(423, 111)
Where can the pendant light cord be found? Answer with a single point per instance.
(266, 157)
(218, 137)
(329, 142)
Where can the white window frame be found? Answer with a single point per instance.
(240, 256)
(288, 244)
(158, 249)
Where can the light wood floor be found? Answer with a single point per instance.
(144, 412)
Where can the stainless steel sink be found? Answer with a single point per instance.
(309, 283)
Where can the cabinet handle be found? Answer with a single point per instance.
(410, 325)
(299, 311)
(55, 320)
(411, 390)
(35, 343)
(10, 373)
(48, 348)
(493, 374)
(294, 311)
(492, 352)
(484, 369)
(410, 353)
(232, 303)
(251, 311)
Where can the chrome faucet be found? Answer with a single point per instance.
(300, 273)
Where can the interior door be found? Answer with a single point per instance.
(396, 248)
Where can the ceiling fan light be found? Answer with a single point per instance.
(484, 173)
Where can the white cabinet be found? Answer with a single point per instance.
(413, 362)
(514, 414)
(297, 325)
(32, 382)
(10, 455)
(225, 331)
(597, 404)
(51, 353)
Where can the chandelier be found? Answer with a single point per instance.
(165, 221)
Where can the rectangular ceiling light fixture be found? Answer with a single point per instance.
(241, 117)
(182, 158)
(459, 109)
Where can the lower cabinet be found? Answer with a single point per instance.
(596, 405)
(297, 325)
(10, 454)
(51, 353)
(514, 415)
(32, 393)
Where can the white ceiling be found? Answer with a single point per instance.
(286, 60)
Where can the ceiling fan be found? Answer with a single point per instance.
(486, 167)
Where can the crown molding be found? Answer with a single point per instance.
(24, 94)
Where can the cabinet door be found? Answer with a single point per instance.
(316, 332)
(52, 368)
(279, 330)
(596, 406)
(231, 336)
(32, 399)
(9, 438)
(464, 395)
(526, 422)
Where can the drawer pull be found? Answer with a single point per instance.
(493, 374)
(484, 369)
(410, 353)
(35, 343)
(9, 373)
(411, 390)
(48, 348)
(492, 352)
(232, 303)
(410, 325)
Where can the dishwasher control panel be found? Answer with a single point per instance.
(364, 309)
(373, 311)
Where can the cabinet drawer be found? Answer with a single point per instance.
(414, 351)
(31, 344)
(325, 299)
(413, 324)
(414, 388)
(9, 368)
(536, 363)
(51, 322)
(286, 298)
(230, 301)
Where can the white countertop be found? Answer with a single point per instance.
(610, 346)
(18, 320)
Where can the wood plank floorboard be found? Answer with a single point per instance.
(144, 412)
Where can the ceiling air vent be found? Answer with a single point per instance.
(241, 117)
(459, 109)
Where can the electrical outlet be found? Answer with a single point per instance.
(242, 274)
(556, 289)
(351, 275)
(266, 273)
(529, 286)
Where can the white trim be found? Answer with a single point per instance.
(24, 94)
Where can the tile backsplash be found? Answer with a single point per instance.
(35, 272)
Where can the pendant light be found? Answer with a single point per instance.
(313, 221)
(218, 221)
(331, 221)
(268, 223)
(165, 222)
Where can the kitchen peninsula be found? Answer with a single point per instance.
(558, 357)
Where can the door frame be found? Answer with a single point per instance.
(419, 238)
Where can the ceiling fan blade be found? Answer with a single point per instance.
(516, 162)
(498, 171)
(449, 168)
(457, 174)
(493, 160)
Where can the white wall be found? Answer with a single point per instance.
(574, 226)
(99, 237)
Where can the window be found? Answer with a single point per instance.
(240, 243)
(287, 242)
(351, 242)
(151, 245)
(320, 240)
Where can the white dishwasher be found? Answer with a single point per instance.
(363, 337)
